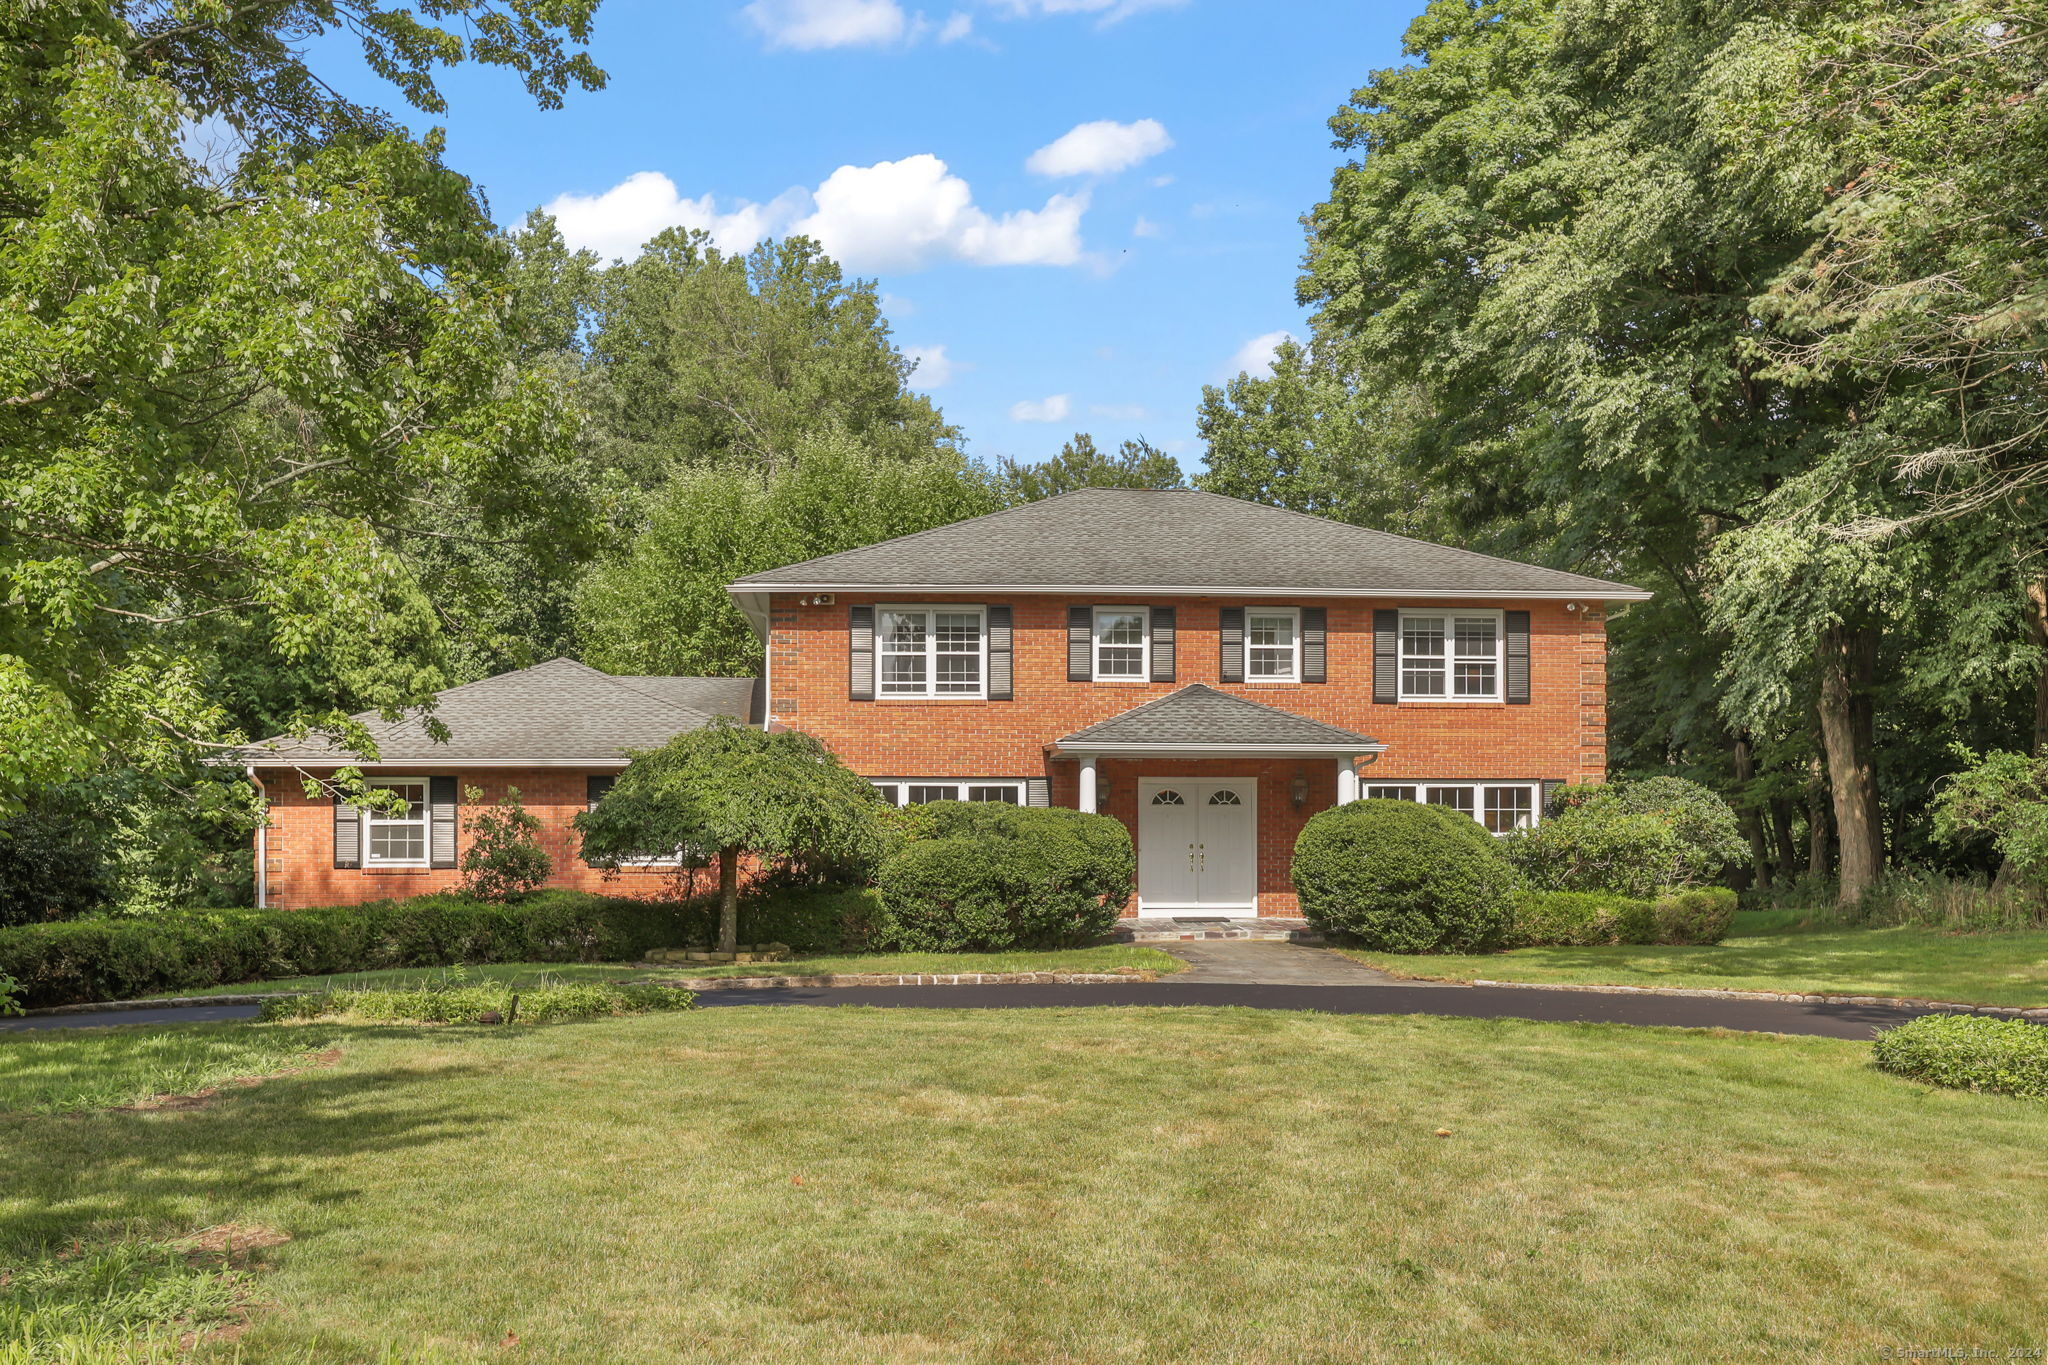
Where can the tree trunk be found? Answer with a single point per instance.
(728, 900)
(1848, 667)
(1746, 813)
(1819, 854)
(2037, 623)
(1781, 831)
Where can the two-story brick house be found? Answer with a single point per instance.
(1209, 671)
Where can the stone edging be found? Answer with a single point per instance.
(1947, 1006)
(765, 983)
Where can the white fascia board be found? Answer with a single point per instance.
(435, 761)
(1590, 594)
(753, 605)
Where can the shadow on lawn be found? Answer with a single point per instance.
(166, 1171)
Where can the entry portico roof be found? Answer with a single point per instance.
(1199, 719)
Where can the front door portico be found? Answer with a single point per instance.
(1198, 846)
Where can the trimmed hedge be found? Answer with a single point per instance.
(1695, 914)
(1968, 1052)
(1403, 878)
(810, 919)
(485, 1004)
(106, 958)
(986, 876)
(1579, 919)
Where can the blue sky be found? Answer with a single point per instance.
(1051, 286)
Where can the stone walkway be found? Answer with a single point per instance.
(1242, 962)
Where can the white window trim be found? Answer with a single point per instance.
(1144, 673)
(897, 789)
(930, 691)
(1293, 674)
(421, 814)
(1449, 617)
(1421, 785)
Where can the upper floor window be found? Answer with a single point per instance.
(1451, 656)
(397, 840)
(931, 651)
(1120, 641)
(1272, 644)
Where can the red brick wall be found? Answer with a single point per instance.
(1561, 734)
(299, 852)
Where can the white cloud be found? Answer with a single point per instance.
(1145, 227)
(1119, 412)
(934, 367)
(901, 215)
(807, 25)
(1255, 357)
(1110, 10)
(1160, 182)
(1053, 409)
(1100, 148)
(893, 215)
(959, 25)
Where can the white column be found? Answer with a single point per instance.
(1088, 784)
(1347, 781)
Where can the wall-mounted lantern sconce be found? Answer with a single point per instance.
(1298, 789)
(1102, 787)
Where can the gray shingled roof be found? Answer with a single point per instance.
(557, 713)
(1199, 715)
(1131, 538)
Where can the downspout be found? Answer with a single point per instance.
(262, 842)
(768, 673)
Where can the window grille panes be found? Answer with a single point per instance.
(1457, 798)
(1509, 808)
(1119, 644)
(926, 653)
(921, 793)
(958, 637)
(1475, 657)
(1002, 793)
(1168, 798)
(399, 838)
(1224, 798)
(1390, 793)
(1269, 644)
(1422, 656)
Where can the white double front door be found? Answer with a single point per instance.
(1198, 846)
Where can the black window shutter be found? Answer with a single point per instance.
(1080, 644)
(1230, 666)
(441, 796)
(1001, 686)
(348, 835)
(1315, 647)
(1517, 692)
(1386, 656)
(860, 645)
(596, 785)
(1162, 644)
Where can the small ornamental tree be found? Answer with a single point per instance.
(504, 856)
(728, 790)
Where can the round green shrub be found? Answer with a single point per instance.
(1579, 919)
(987, 876)
(1694, 914)
(1403, 878)
(1968, 1052)
(1704, 831)
(1596, 849)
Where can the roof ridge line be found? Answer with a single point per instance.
(912, 535)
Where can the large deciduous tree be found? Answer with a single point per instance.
(1081, 464)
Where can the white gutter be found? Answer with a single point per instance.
(1596, 592)
(1112, 749)
(442, 762)
(262, 843)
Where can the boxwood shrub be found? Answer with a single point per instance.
(1579, 919)
(1403, 878)
(107, 958)
(1694, 914)
(1968, 1052)
(968, 876)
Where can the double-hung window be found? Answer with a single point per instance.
(397, 839)
(1500, 806)
(1272, 644)
(914, 793)
(1451, 656)
(1120, 640)
(932, 651)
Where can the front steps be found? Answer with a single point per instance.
(1265, 928)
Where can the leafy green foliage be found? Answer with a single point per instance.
(988, 876)
(107, 958)
(1702, 823)
(1695, 915)
(1578, 919)
(1403, 878)
(1968, 1052)
(1596, 850)
(2002, 796)
(504, 857)
(809, 918)
(51, 865)
(662, 607)
(1080, 465)
(494, 1003)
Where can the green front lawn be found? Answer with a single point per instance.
(858, 1185)
(2004, 968)
(1111, 957)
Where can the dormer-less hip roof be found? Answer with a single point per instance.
(1199, 719)
(1128, 541)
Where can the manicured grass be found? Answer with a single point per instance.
(2003, 968)
(1106, 958)
(47, 1072)
(857, 1185)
